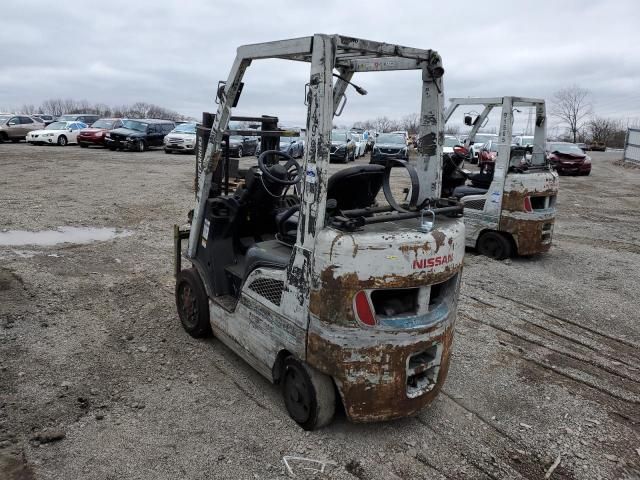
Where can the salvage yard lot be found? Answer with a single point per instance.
(546, 360)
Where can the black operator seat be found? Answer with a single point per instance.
(353, 187)
(269, 254)
(464, 190)
(356, 187)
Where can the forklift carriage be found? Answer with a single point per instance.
(309, 277)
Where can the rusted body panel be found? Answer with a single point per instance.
(370, 370)
(531, 231)
(370, 365)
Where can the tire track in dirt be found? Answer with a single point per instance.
(599, 243)
(535, 331)
(635, 347)
(574, 369)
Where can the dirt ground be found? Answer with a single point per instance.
(98, 380)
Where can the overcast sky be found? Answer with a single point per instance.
(173, 53)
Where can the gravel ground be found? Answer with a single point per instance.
(99, 381)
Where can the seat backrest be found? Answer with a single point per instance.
(356, 187)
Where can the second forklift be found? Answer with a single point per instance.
(510, 206)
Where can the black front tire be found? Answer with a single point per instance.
(62, 141)
(240, 152)
(15, 140)
(84, 145)
(494, 245)
(308, 395)
(192, 303)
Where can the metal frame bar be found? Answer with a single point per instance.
(430, 132)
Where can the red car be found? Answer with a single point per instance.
(94, 135)
(568, 158)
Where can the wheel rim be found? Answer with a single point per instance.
(239, 151)
(296, 395)
(189, 311)
(140, 146)
(62, 141)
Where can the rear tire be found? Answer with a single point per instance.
(62, 141)
(84, 145)
(192, 303)
(308, 395)
(113, 149)
(167, 151)
(494, 245)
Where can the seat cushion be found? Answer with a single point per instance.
(270, 254)
(464, 190)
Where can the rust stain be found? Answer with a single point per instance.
(373, 380)
(332, 301)
(527, 234)
(439, 238)
(425, 247)
(513, 200)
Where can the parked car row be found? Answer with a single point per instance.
(126, 134)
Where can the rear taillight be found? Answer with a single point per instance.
(363, 309)
(527, 205)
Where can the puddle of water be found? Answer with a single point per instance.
(46, 238)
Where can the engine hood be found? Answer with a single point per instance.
(390, 145)
(128, 132)
(568, 156)
(93, 130)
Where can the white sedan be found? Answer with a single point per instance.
(60, 133)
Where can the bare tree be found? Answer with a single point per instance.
(410, 123)
(572, 106)
(452, 129)
(53, 106)
(28, 109)
(385, 124)
(601, 129)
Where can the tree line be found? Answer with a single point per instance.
(573, 107)
(59, 106)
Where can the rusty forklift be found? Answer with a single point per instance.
(510, 206)
(327, 284)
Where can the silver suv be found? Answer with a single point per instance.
(16, 127)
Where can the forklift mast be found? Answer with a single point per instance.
(507, 106)
(347, 55)
(326, 90)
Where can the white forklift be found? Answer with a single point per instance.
(510, 206)
(338, 292)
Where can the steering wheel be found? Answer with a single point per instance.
(266, 168)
